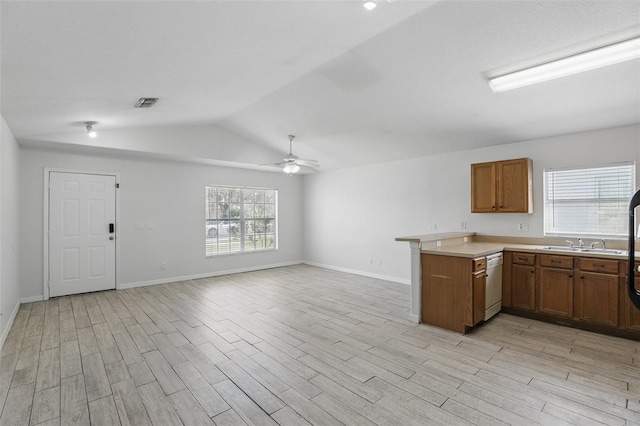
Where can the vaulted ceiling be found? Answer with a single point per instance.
(406, 79)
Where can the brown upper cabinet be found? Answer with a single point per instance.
(502, 186)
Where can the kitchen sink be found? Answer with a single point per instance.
(583, 250)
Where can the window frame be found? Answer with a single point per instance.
(623, 212)
(242, 220)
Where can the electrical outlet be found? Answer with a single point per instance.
(163, 266)
(379, 261)
(523, 227)
(463, 225)
(432, 226)
(438, 243)
(465, 239)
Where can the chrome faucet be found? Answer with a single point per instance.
(570, 243)
(602, 243)
(580, 242)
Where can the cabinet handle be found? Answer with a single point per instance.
(556, 261)
(533, 271)
(522, 258)
(598, 265)
(582, 277)
(571, 276)
(500, 206)
(493, 207)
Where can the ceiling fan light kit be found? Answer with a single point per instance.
(291, 163)
(291, 168)
(90, 130)
(369, 4)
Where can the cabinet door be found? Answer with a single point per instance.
(556, 292)
(514, 180)
(523, 287)
(632, 313)
(479, 289)
(597, 300)
(483, 188)
(446, 292)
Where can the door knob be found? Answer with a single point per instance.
(111, 237)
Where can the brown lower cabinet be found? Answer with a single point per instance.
(452, 291)
(585, 292)
(523, 287)
(597, 298)
(556, 292)
(631, 315)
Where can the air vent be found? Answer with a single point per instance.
(146, 102)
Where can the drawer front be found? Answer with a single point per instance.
(605, 266)
(624, 271)
(479, 264)
(524, 258)
(562, 262)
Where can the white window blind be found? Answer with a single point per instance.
(588, 201)
(240, 220)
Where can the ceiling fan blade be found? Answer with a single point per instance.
(313, 164)
(280, 164)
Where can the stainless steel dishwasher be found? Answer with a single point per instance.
(493, 286)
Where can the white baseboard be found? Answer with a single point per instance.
(206, 275)
(414, 318)
(12, 317)
(357, 272)
(32, 299)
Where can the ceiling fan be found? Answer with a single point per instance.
(291, 163)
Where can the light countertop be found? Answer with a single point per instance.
(435, 237)
(473, 249)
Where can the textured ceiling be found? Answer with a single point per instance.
(357, 87)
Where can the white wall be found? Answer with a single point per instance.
(353, 215)
(169, 195)
(10, 293)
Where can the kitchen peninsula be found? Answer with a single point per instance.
(583, 288)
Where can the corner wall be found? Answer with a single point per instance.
(169, 196)
(351, 216)
(9, 226)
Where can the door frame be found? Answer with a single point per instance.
(45, 227)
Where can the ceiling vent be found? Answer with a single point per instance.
(146, 102)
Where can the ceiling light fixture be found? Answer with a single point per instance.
(90, 130)
(291, 168)
(589, 60)
(145, 102)
(369, 4)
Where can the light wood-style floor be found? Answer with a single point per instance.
(300, 345)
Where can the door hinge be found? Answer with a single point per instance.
(117, 185)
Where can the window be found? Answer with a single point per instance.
(240, 220)
(589, 201)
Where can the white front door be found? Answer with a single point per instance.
(82, 249)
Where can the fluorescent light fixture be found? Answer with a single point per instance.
(369, 4)
(592, 59)
(90, 130)
(291, 168)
